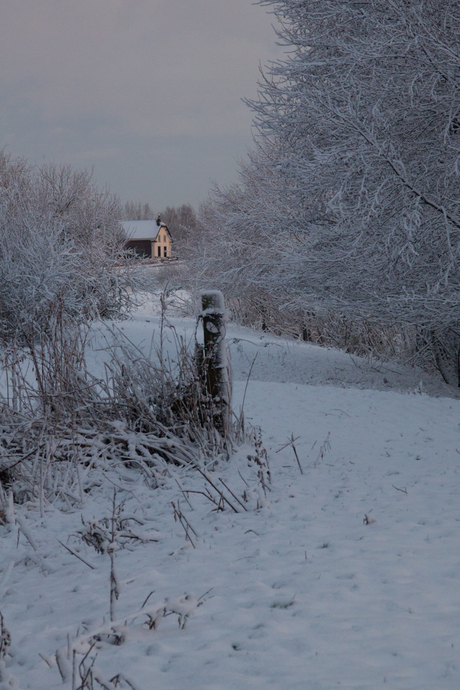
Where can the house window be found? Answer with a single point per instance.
(165, 252)
(159, 250)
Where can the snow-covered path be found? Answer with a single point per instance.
(373, 595)
(348, 576)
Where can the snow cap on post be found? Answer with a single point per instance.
(212, 302)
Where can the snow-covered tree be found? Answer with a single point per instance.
(363, 121)
(351, 198)
(59, 240)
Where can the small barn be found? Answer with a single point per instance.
(149, 239)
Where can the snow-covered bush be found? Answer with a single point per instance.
(60, 238)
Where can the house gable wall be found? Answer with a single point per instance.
(162, 244)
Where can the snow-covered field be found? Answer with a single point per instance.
(347, 575)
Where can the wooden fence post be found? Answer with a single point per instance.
(215, 365)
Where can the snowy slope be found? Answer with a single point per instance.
(347, 576)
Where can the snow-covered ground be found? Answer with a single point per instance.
(347, 575)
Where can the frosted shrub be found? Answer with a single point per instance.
(60, 238)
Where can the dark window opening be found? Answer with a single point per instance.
(159, 250)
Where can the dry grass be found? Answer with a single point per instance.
(59, 423)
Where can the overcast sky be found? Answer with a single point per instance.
(148, 92)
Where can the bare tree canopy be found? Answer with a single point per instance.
(181, 221)
(138, 211)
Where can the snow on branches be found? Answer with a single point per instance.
(351, 198)
(59, 240)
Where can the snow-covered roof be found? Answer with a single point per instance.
(140, 229)
(143, 229)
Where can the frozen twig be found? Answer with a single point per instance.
(74, 553)
(404, 490)
(291, 442)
